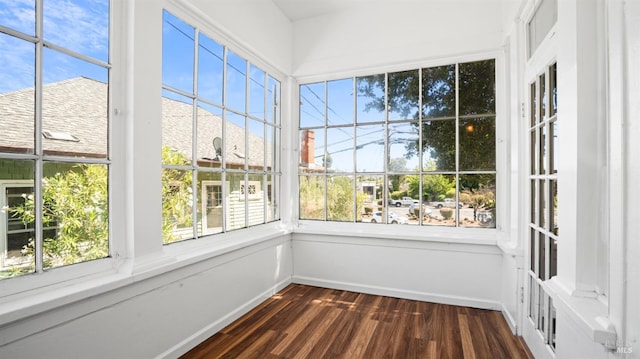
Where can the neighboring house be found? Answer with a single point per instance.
(75, 123)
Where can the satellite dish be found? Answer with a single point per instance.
(217, 146)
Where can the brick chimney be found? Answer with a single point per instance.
(307, 148)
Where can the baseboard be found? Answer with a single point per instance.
(206, 332)
(400, 293)
(511, 321)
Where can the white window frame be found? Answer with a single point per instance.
(488, 236)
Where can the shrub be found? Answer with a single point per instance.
(446, 213)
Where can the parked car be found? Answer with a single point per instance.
(391, 218)
(405, 201)
(447, 202)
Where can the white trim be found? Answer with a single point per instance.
(399, 293)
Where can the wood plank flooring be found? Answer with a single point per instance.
(309, 322)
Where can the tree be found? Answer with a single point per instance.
(75, 202)
(438, 88)
(339, 201)
(177, 196)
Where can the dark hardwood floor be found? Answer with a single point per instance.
(310, 322)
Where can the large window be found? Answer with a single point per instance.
(220, 137)
(54, 142)
(413, 147)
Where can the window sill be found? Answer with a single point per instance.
(478, 236)
(587, 312)
(53, 295)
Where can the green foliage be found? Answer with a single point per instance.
(340, 206)
(398, 194)
(177, 196)
(481, 198)
(476, 97)
(434, 187)
(75, 202)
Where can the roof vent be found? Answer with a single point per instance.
(60, 136)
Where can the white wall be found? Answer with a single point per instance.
(383, 33)
(164, 315)
(460, 274)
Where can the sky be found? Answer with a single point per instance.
(79, 25)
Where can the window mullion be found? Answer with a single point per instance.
(194, 138)
(38, 201)
(457, 137)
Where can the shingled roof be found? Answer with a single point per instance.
(75, 123)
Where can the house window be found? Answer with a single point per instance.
(543, 186)
(54, 142)
(418, 145)
(220, 124)
(545, 16)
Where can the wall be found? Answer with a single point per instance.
(459, 274)
(383, 33)
(165, 315)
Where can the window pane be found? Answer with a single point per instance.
(74, 106)
(256, 92)
(17, 76)
(554, 148)
(404, 146)
(340, 199)
(370, 103)
(78, 25)
(439, 92)
(370, 197)
(236, 95)
(177, 124)
(234, 144)
(439, 145)
(273, 100)
(312, 105)
(542, 200)
(553, 219)
(236, 210)
(272, 148)
(312, 157)
(404, 92)
(256, 145)
(177, 210)
(210, 69)
(340, 102)
(209, 135)
(255, 199)
(16, 211)
(19, 16)
(177, 53)
(312, 197)
(273, 203)
(210, 203)
(478, 144)
(370, 148)
(76, 213)
(478, 200)
(339, 150)
(477, 87)
(439, 193)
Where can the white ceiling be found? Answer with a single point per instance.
(303, 9)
